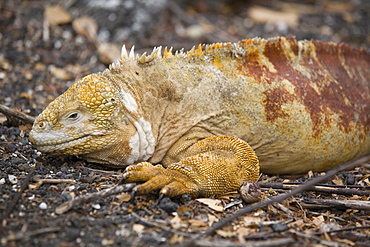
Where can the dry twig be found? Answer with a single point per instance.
(332, 189)
(94, 196)
(23, 235)
(41, 181)
(335, 203)
(16, 117)
(154, 224)
(17, 196)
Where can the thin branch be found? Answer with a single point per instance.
(271, 242)
(102, 172)
(342, 190)
(17, 196)
(16, 117)
(23, 235)
(286, 185)
(154, 224)
(312, 236)
(282, 197)
(41, 181)
(335, 203)
(353, 228)
(94, 196)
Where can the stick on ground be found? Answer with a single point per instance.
(16, 117)
(94, 196)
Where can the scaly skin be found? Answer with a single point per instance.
(300, 105)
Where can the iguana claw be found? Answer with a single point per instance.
(216, 165)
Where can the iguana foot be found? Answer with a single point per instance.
(170, 182)
(215, 165)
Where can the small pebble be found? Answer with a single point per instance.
(13, 179)
(2, 181)
(279, 227)
(43, 206)
(250, 191)
(96, 206)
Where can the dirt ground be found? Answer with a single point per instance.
(44, 50)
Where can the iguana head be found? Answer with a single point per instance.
(93, 119)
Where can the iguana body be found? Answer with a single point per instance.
(300, 105)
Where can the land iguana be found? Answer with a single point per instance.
(203, 117)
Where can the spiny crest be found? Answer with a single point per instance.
(144, 58)
(208, 48)
(124, 56)
(157, 53)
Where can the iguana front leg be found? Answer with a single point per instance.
(212, 166)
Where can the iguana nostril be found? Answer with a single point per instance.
(41, 125)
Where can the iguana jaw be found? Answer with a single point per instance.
(56, 142)
(96, 146)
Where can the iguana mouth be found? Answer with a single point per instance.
(57, 143)
(60, 142)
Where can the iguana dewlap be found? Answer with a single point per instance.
(300, 105)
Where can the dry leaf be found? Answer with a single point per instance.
(33, 186)
(296, 224)
(252, 220)
(40, 66)
(197, 223)
(212, 219)
(298, 8)
(226, 234)
(176, 222)
(108, 52)
(26, 95)
(63, 208)
(176, 239)
(86, 26)
(318, 221)
(194, 32)
(265, 15)
(57, 15)
(74, 69)
(338, 7)
(345, 242)
(214, 204)
(310, 174)
(124, 197)
(106, 241)
(59, 73)
(26, 127)
(244, 231)
(138, 228)
(337, 181)
(183, 209)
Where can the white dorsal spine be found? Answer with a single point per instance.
(124, 54)
(143, 58)
(156, 53)
(131, 55)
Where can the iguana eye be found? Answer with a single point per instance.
(73, 116)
